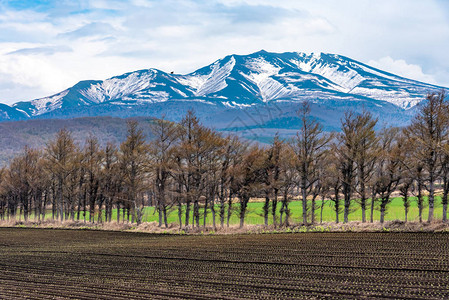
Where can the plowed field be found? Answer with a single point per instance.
(59, 264)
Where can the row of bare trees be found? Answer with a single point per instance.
(207, 177)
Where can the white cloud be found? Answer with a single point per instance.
(20, 75)
(96, 39)
(402, 68)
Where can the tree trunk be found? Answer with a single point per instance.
(321, 209)
(363, 206)
(406, 206)
(159, 210)
(373, 201)
(222, 210)
(285, 209)
(196, 212)
(274, 206)
(406, 214)
(165, 217)
(179, 201)
(78, 211)
(444, 212)
(118, 212)
(206, 204)
(61, 200)
(187, 211)
(180, 213)
(313, 210)
(444, 200)
(229, 209)
(212, 209)
(72, 209)
(243, 205)
(420, 206)
(44, 205)
(100, 209)
(127, 213)
(337, 210)
(304, 205)
(383, 205)
(85, 206)
(37, 215)
(431, 199)
(266, 208)
(281, 213)
(110, 209)
(346, 210)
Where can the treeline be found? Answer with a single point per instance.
(206, 176)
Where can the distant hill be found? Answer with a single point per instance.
(14, 136)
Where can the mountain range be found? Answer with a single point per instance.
(254, 95)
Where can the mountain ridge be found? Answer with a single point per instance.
(235, 84)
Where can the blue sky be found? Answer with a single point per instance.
(47, 46)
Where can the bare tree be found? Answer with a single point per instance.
(366, 156)
(276, 149)
(215, 147)
(162, 162)
(309, 146)
(445, 178)
(185, 158)
(109, 179)
(229, 153)
(287, 181)
(250, 179)
(93, 162)
(133, 162)
(346, 151)
(60, 155)
(428, 131)
(388, 170)
(22, 179)
(406, 186)
(334, 180)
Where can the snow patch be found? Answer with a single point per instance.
(344, 77)
(116, 88)
(233, 104)
(43, 105)
(21, 110)
(216, 81)
(261, 75)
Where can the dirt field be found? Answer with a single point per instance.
(45, 263)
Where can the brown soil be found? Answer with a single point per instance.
(75, 264)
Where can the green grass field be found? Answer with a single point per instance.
(395, 211)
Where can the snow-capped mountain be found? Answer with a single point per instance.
(232, 85)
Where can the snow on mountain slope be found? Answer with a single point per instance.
(359, 79)
(42, 105)
(213, 82)
(9, 113)
(141, 86)
(242, 81)
(261, 73)
(118, 87)
(346, 78)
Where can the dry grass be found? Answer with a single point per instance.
(152, 227)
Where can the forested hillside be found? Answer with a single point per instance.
(14, 136)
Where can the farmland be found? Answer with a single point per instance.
(78, 264)
(255, 213)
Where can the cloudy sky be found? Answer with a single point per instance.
(47, 46)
